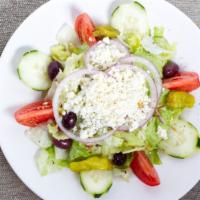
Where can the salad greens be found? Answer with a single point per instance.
(158, 41)
(154, 157)
(161, 41)
(152, 137)
(78, 151)
(54, 131)
(59, 52)
(159, 60)
(47, 163)
(163, 132)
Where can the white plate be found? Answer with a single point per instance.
(38, 32)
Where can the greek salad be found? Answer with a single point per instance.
(112, 100)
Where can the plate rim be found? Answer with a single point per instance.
(3, 55)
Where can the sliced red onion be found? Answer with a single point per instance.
(122, 128)
(58, 118)
(80, 73)
(152, 68)
(154, 94)
(119, 45)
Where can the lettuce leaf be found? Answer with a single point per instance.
(59, 52)
(55, 132)
(46, 162)
(111, 145)
(133, 41)
(159, 50)
(169, 115)
(122, 142)
(61, 154)
(66, 35)
(78, 50)
(40, 136)
(132, 139)
(78, 151)
(158, 60)
(161, 41)
(152, 138)
(163, 97)
(154, 157)
(73, 63)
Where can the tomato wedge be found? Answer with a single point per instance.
(84, 28)
(35, 113)
(144, 170)
(184, 81)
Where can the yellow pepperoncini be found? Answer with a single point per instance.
(92, 163)
(105, 31)
(178, 99)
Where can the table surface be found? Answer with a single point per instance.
(12, 13)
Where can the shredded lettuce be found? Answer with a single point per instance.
(111, 145)
(133, 41)
(122, 142)
(73, 63)
(55, 132)
(163, 97)
(61, 154)
(169, 115)
(161, 41)
(40, 136)
(67, 35)
(47, 163)
(158, 60)
(152, 138)
(160, 51)
(132, 139)
(78, 151)
(154, 157)
(78, 50)
(59, 52)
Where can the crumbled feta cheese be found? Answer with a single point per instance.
(106, 102)
(162, 133)
(105, 54)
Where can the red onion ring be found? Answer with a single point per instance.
(80, 73)
(152, 68)
(58, 119)
(154, 94)
(119, 45)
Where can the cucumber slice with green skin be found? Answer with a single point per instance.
(131, 18)
(33, 70)
(183, 140)
(96, 182)
(198, 143)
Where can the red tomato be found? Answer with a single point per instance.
(35, 113)
(144, 170)
(84, 28)
(184, 81)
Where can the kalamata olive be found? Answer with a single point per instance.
(170, 69)
(63, 144)
(53, 69)
(69, 120)
(119, 159)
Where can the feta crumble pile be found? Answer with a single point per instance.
(105, 55)
(107, 102)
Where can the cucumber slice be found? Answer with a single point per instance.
(183, 140)
(33, 70)
(96, 182)
(131, 18)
